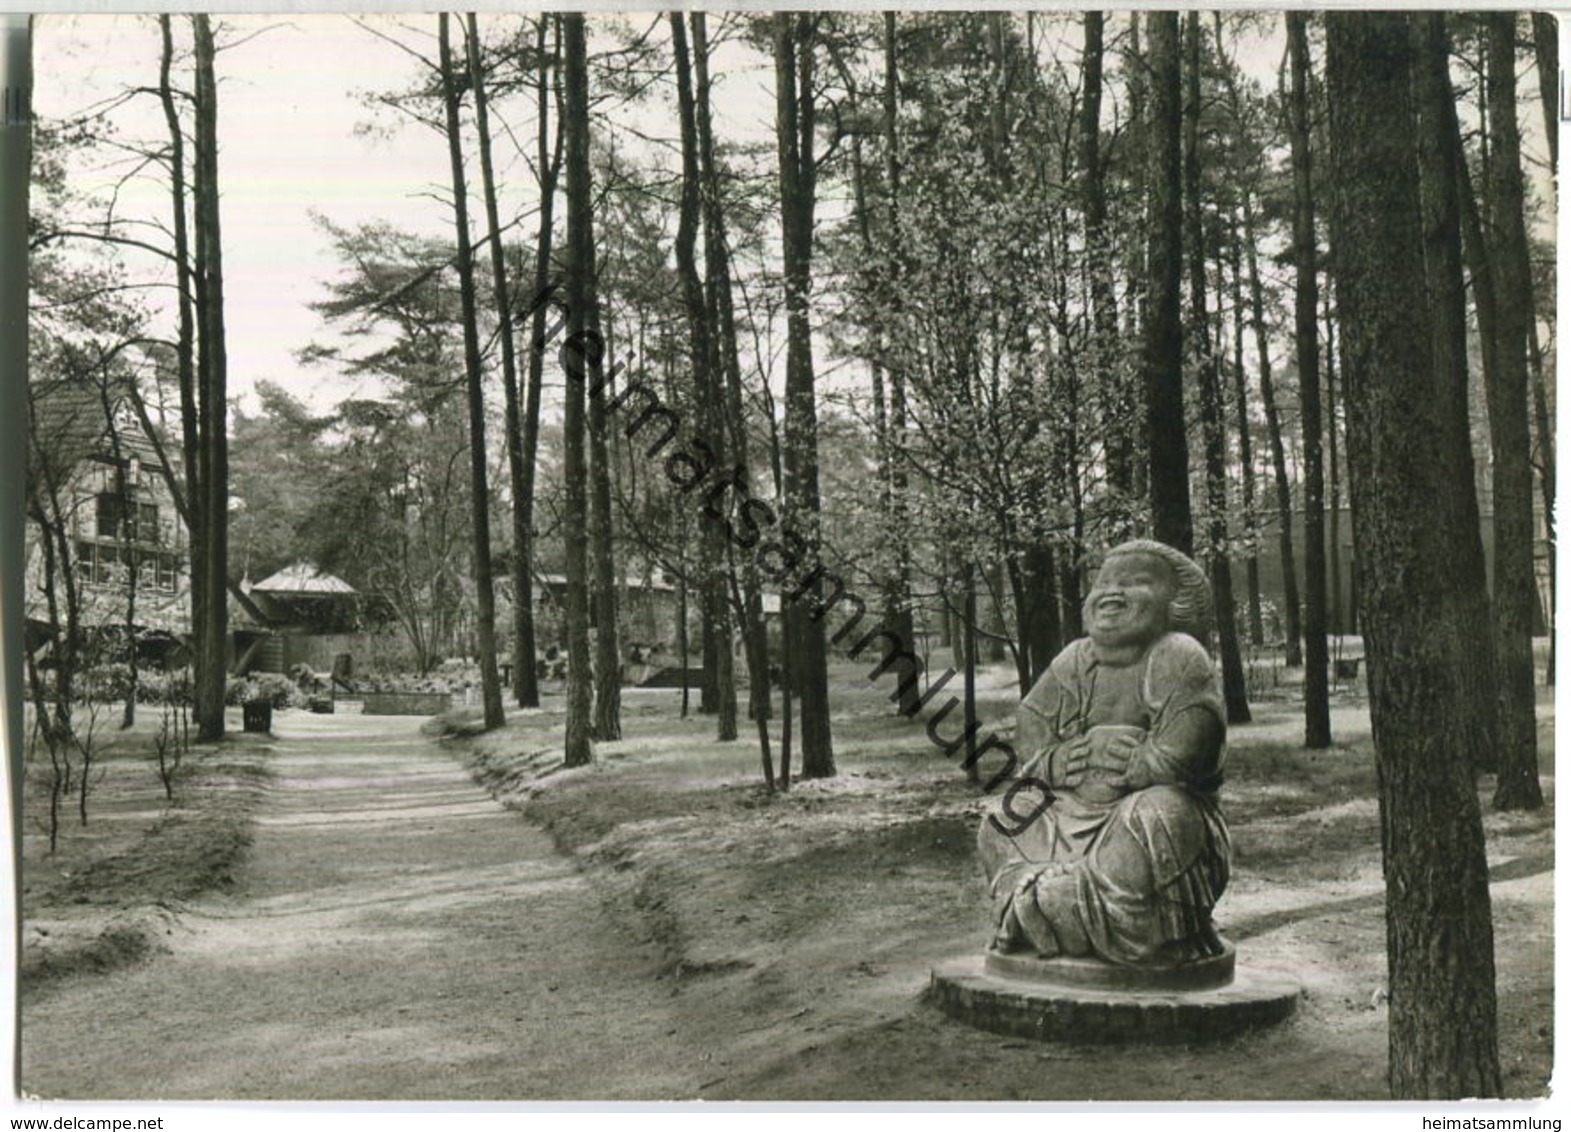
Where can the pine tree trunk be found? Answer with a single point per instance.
(1034, 580)
(1481, 274)
(1546, 54)
(897, 601)
(213, 405)
(787, 719)
(719, 678)
(1516, 591)
(480, 496)
(1246, 450)
(1284, 491)
(1070, 597)
(607, 579)
(794, 34)
(969, 694)
(755, 640)
(1137, 146)
(1306, 315)
(997, 631)
(708, 678)
(1438, 155)
(1118, 442)
(575, 521)
(195, 510)
(523, 629)
(683, 645)
(548, 156)
(1235, 692)
(1336, 611)
(1163, 346)
(1439, 937)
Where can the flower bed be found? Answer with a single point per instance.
(406, 703)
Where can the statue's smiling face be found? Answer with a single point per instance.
(1129, 601)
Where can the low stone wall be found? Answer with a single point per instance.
(405, 703)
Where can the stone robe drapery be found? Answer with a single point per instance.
(1132, 877)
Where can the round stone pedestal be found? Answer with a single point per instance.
(1094, 974)
(1086, 1000)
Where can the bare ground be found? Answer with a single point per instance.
(657, 926)
(802, 928)
(394, 934)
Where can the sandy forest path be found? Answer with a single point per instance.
(395, 933)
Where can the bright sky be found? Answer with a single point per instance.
(287, 147)
(288, 109)
(289, 105)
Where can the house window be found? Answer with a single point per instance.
(108, 565)
(120, 518)
(168, 572)
(111, 513)
(98, 563)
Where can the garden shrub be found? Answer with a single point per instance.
(271, 688)
(105, 682)
(164, 687)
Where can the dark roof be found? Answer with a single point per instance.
(68, 423)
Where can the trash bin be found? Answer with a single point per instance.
(258, 717)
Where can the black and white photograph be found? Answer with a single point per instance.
(781, 556)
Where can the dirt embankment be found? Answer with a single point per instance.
(798, 930)
(113, 889)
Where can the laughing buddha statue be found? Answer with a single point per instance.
(1127, 728)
